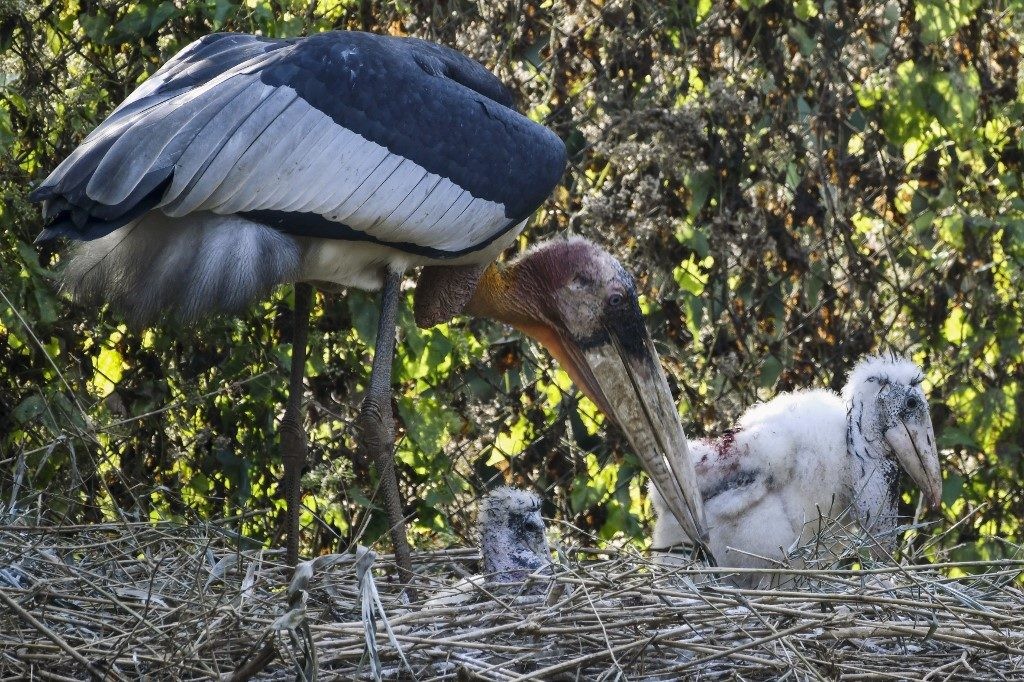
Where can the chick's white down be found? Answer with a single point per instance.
(807, 457)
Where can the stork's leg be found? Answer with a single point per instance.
(377, 424)
(293, 435)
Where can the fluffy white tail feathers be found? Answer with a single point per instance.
(158, 267)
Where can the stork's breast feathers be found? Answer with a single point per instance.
(341, 135)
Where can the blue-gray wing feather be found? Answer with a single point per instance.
(340, 134)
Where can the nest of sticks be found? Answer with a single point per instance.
(127, 601)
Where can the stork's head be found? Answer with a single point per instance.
(512, 537)
(886, 397)
(578, 302)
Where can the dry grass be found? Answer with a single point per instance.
(129, 600)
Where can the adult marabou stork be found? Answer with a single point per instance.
(346, 159)
(808, 456)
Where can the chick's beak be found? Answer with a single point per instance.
(914, 445)
(626, 381)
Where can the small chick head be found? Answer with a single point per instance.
(512, 535)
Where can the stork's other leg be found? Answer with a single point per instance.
(377, 424)
(293, 435)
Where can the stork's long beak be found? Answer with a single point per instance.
(625, 379)
(914, 445)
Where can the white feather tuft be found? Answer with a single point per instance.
(503, 502)
(875, 369)
(183, 268)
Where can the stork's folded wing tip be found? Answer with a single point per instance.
(49, 234)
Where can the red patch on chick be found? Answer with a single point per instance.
(723, 448)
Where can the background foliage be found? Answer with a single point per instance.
(794, 182)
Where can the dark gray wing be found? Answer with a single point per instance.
(342, 135)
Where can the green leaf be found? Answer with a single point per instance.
(952, 488)
(953, 436)
(30, 259)
(6, 131)
(62, 407)
(95, 27)
(45, 304)
(805, 9)
(200, 484)
(693, 238)
(939, 19)
(29, 409)
(135, 24)
(427, 422)
(236, 469)
(365, 314)
(771, 368)
(702, 9)
(142, 21)
(699, 184)
(581, 495)
(224, 9)
(165, 11)
(691, 274)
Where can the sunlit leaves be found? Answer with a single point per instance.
(364, 315)
(6, 131)
(939, 19)
(920, 97)
(109, 367)
(509, 442)
(699, 184)
(702, 8)
(140, 20)
(594, 483)
(805, 9)
(428, 425)
(691, 275)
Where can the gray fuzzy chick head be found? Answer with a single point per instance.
(513, 537)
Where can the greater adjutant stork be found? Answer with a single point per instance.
(345, 159)
(809, 456)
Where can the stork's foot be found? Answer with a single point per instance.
(377, 428)
(377, 438)
(293, 453)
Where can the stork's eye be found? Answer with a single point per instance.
(912, 403)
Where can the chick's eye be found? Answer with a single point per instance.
(615, 300)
